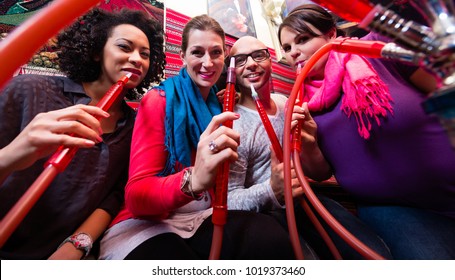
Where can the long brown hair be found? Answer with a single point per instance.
(203, 23)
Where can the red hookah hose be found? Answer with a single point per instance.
(267, 125)
(57, 163)
(355, 243)
(219, 215)
(372, 49)
(293, 232)
(350, 10)
(295, 241)
(324, 235)
(24, 40)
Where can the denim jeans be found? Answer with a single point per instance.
(348, 220)
(412, 233)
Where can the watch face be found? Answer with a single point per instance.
(82, 240)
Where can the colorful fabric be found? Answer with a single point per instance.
(187, 116)
(365, 95)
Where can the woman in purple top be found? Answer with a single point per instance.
(376, 139)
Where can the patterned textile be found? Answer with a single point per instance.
(283, 76)
(187, 116)
(174, 29)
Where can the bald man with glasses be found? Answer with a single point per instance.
(257, 55)
(256, 179)
(251, 183)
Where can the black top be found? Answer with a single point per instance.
(95, 178)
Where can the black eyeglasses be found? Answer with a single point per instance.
(258, 56)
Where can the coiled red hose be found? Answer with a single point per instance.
(367, 48)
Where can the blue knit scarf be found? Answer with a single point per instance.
(187, 116)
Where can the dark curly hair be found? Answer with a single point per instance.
(84, 40)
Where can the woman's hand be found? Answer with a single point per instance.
(224, 147)
(75, 126)
(313, 161)
(307, 124)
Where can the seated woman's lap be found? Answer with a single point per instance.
(412, 233)
(246, 235)
(165, 246)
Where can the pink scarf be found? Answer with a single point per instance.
(365, 94)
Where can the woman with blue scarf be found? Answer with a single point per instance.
(178, 144)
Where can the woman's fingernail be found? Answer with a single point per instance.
(89, 143)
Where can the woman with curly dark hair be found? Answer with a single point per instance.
(82, 44)
(40, 113)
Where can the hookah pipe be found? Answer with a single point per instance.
(377, 18)
(303, 202)
(57, 163)
(219, 215)
(434, 50)
(268, 126)
(293, 232)
(374, 49)
(20, 44)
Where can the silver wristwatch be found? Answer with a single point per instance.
(81, 241)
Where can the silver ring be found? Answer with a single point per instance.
(213, 147)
